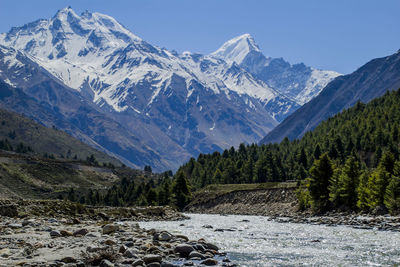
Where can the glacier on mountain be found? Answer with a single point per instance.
(171, 102)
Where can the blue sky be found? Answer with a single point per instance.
(339, 35)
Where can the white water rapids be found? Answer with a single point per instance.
(255, 241)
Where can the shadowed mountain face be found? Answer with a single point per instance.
(368, 82)
(150, 106)
(43, 98)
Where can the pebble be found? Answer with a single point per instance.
(68, 260)
(65, 233)
(138, 262)
(195, 254)
(106, 263)
(110, 228)
(184, 249)
(81, 232)
(15, 225)
(209, 262)
(55, 233)
(153, 264)
(129, 254)
(164, 236)
(151, 258)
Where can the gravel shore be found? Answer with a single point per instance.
(101, 237)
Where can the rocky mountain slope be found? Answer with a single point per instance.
(368, 82)
(38, 95)
(299, 82)
(166, 107)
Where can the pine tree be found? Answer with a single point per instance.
(320, 176)
(392, 193)
(317, 152)
(217, 178)
(363, 192)
(348, 181)
(181, 191)
(377, 183)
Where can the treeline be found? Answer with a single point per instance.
(364, 132)
(166, 191)
(19, 148)
(352, 187)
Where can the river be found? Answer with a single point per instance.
(255, 241)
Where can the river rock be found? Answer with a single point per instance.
(199, 247)
(68, 260)
(183, 249)
(210, 262)
(110, 228)
(81, 232)
(211, 246)
(164, 236)
(195, 254)
(138, 262)
(129, 244)
(110, 242)
(106, 263)
(153, 264)
(55, 233)
(130, 254)
(122, 249)
(167, 264)
(28, 222)
(15, 225)
(65, 233)
(182, 237)
(151, 258)
(52, 220)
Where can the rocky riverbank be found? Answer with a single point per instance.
(95, 237)
(66, 209)
(360, 221)
(280, 204)
(265, 202)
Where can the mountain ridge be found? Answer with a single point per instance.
(185, 104)
(366, 83)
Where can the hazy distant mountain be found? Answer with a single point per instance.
(173, 106)
(368, 82)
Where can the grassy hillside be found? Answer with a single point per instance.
(20, 134)
(31, 177)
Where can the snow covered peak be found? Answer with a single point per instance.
(88, 32)
(62, 13)
(237, 48)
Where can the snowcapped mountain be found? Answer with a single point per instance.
(298, 81)
(175, 105)
(93, 53)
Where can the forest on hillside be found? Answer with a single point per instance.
(348, 162)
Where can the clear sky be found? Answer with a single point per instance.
(338, 35)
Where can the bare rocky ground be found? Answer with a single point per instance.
(89, 236)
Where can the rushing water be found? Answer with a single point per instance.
(255, 241)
